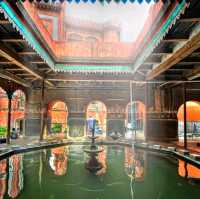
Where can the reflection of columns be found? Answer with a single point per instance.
(131, 103)
(16, 179)
(3, 177)
(9, 93)
(42, 112)
(185, 115)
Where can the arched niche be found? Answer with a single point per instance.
(135, 120)
(57, 117)
(18, 112)
(192, 119)
(98, 110)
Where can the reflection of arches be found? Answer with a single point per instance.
(98, 110)
(188, 170)
(135, 121)
(3, 112)
(58, 160)
(58, 114)
(192, 118)
(18, 111)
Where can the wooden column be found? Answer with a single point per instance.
(146, 110)
(42, 113)
(131, 102)
(134, 110)
(185, 115)
(9, 93)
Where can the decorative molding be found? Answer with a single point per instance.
(92, 68)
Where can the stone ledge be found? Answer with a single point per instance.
(181, 154)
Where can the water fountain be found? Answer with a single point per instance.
(93, 150)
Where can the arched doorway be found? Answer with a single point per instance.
(58, 117)
(135, 120)
(18, 112)
(3, 113)
(98, 110)
(192, 118)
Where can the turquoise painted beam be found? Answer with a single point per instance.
(92, 68)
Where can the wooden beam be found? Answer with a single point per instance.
(21, 74)
(11, 37)
(190, 19)
(188, 63)
(43, 69)
(193, 17)
(6, 63)
(190, 46)
(161, 53)
(37, 62)
(4, 22)
(28, 78)
(13, 40)
(171, 69)
(18, 61)
(175, 38)
(195, 73)
(14, 69)
(84, 77)
(9, 76)
(27, 53)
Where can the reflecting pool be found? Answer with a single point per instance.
(126, 174)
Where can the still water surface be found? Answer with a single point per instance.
(59, 173)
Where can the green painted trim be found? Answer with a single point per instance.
(159, 35)
(108, 68)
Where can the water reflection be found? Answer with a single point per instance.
(188, 171)
(102, 159)
(134, 164)
(145, 172)
(3, 176)
(15, 180)
(58, 160)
